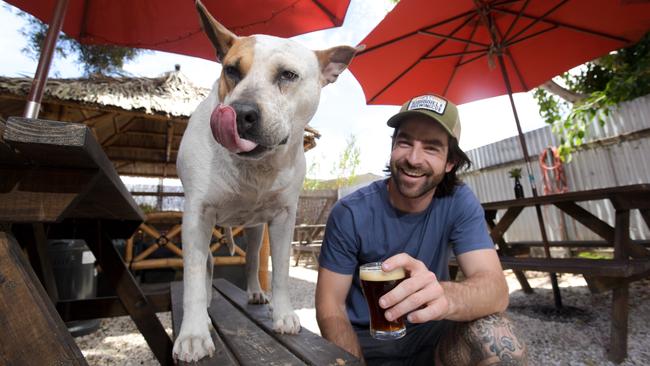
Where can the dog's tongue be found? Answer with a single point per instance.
(223, 123)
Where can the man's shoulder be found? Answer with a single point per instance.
(369, 194)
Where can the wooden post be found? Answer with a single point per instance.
(264, 259)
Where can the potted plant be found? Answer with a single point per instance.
(515, 173)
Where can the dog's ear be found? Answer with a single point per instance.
(334, 60)
(221, 38)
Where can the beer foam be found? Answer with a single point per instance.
(374, 275)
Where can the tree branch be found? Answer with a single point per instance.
(566, 94)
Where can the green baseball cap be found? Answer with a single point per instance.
(433, 106)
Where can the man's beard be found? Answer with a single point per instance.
(429, 180)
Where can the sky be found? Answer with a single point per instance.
(342, 112)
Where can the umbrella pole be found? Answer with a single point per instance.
(33, 105)
(540, 218)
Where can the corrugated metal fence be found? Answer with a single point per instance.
(615, 155)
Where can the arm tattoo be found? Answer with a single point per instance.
(490, 340)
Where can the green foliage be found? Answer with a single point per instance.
(312, 184)
(95, 59)
(515, 173)
(346, 167)
(147, 208)
(620, 76)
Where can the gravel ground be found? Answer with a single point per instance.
(577, 338)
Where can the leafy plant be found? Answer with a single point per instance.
(599, 86)
(515, 173)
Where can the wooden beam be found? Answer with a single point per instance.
(107, 307)
(502, 226)
(586, 218)
(32, 331)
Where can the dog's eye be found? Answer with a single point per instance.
(232, 73)
(287, 75)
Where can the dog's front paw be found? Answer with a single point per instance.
(192, 346)
(257, 297)
(287, 323)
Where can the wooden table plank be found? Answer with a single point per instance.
(32, 331)
(71, 148)
(639, 192)
(250, 344)
(221, 356)
(310, 347)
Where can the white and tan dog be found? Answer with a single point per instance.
(241, 162)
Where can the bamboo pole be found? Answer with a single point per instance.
(128, 253)
(178, 262)
(263, 271)
(174, 249)
(150, 231)
(174, 231)
(150, 249)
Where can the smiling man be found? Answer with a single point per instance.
(415, 219)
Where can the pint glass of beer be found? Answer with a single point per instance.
(375, 283)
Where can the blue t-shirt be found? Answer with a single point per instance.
(364, 227)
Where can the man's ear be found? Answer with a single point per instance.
(334, 60)
(221, 38)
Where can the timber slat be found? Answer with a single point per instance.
(250, 344)
(309, 346)
(221, 356)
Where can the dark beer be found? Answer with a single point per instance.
(375, 283)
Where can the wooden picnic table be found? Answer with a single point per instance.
(631, 258)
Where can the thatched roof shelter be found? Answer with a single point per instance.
(139, 121)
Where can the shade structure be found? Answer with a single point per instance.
(173, 25)
(468, 50)
(451, 47)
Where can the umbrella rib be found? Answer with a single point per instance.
(457, 39)
(538, 19)
(513, 41)
(512, 25)
(455, 54)
(460, 60)
(330, 15)
(397, 39)
(471, 60)
(569, 26)
(472, 16)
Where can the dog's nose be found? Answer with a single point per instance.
(247, 115)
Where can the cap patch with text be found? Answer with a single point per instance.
(430, 102)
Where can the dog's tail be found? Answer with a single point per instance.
(230, 241)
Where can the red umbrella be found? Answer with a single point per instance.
(166, 25)
(173, 26)
(468, 50)
(452, 47)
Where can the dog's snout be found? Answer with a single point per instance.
(248, 115)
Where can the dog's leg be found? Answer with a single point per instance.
(285, 319)
(254, 242)
(208, 278)
(194, 341)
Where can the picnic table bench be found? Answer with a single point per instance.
(631, 258)
(243, 333)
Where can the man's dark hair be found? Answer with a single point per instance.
(450, 180)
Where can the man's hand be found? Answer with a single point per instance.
(420, 295)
